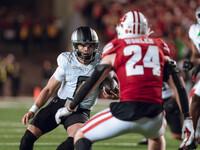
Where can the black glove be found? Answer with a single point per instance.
(187, 65)
(195, 72)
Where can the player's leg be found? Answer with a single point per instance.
(104, 126)
(29, 138)
(72, 123)
(101, 126)
(195, 111)
(173, 113)
(81, 142)
(42, 123)
(197, 133)
(195, 108)
(154, 129)
(157, 144)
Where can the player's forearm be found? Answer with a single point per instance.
(43, 97)
(41, 100)
(183, 98)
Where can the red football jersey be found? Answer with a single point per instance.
(139, 67)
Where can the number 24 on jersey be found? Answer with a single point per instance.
(150, 60)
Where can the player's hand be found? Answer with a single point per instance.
(114, 95)
(187, 135)
(27, 117)
(195, 72)
(187, 65)
(62, 112)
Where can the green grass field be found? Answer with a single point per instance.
(11, 130)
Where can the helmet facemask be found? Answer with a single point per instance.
(88, 55)
(85, 37)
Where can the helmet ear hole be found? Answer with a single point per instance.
(85, 36)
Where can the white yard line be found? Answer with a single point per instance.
(54, 144)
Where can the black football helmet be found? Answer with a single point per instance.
(85, 36)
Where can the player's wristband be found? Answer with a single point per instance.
(34, 108)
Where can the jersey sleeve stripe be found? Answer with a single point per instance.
(167, 49)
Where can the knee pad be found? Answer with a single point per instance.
(83, 144)
(67, 144)
(27, 141)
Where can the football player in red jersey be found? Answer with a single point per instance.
(141, 64)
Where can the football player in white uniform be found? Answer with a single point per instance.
(73, 69)
(194, 35)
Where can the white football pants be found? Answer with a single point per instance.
(104, 125)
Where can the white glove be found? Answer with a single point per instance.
(62, 112)
(187, 135)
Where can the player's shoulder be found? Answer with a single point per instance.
(110, 46)
(158, 40)
(65, 58)
(98, 57)
(194, 30)
(162, 45)
(194, 27)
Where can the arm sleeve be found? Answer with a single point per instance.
(180, 88)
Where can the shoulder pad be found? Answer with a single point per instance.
(98, 56)
(64, 59)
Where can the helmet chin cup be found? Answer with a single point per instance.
(85, 58)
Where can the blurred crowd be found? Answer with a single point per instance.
(33, 32)
(169, 19)
(10, 76)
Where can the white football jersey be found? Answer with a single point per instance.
(72, 73)
(194, 34)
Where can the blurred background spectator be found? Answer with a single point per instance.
(36, 31)
(47, 72)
